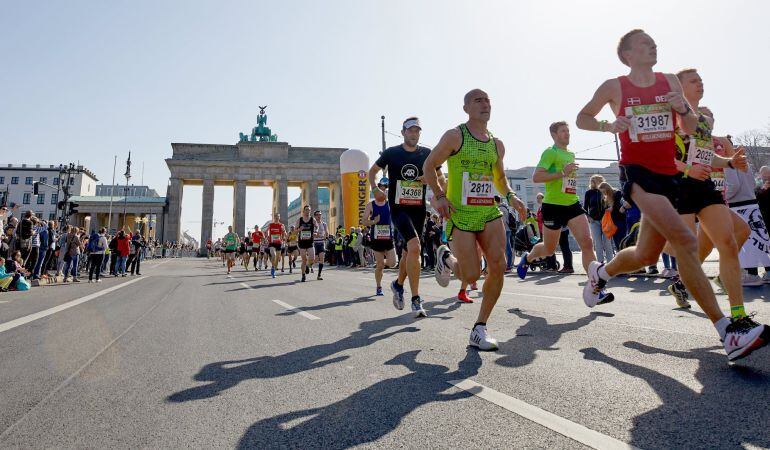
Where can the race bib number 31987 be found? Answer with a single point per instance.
(650, 123)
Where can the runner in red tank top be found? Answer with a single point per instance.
(256, 241)
(275, 236)
(645, 121)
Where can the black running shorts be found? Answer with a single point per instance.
(694, 195)
(651, 182)
(555, 217)
(408, 221)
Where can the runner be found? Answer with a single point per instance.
(561, 207)
(276, 235)
(244, 252)
(231, 245)
(219, 253)
(407, 206)
(475, 164)
(208, 249)
(646, 104)
(306, 226)
(256, 245)
(264, 253)
(319, 241)
(291, 247)
(699, 196)
(377, 217)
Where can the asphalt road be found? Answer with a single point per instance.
(185, 357)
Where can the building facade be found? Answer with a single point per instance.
(16, 186)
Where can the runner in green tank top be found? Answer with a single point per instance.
(475, 162)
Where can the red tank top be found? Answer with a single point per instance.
(649, 141)
(275, 233)
(256, 237)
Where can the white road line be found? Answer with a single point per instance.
(542, 417)
(297, 310)
(4, 301)
(289, 307)
(47, 312)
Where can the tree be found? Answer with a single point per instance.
(757, 144)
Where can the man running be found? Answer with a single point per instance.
(699, 196)
(319, 241)
(406, 200)
(475, 165)
(231, 245)
(291, 247)
(276, 235)
(306, 227)
(208, 249)
(561, 207)
(646, 104)
(257, 236)
(377, 217)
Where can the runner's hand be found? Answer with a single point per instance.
(676, 100)
(740, 162)
(519, 206)
(705, 111)
(699, 172)
(569, 168)
(379, 194)
(443, 206)
(620, 124)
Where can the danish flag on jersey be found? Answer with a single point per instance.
(634, 101)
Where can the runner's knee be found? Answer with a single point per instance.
(413, 246)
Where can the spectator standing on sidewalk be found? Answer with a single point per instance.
(137, 245)
(74, 250)
(97, 244)
(123, 249)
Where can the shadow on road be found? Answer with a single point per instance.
(730, 410)
(537, 335)
(368, 414)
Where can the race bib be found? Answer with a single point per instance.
(477, 190)
(650, 123)
(701, 152)
(719, 180)
(305, 235)
(382, 232)
(569, 183)
(275, 238)
(409, 192)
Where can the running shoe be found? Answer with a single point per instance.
(379, 291)
(567, 270)
(398, 295)
(594, 292)
(743, 336)
(417, 308)
(522, 266)
(652, 270)
(307, 270)
(720, 285)
(462, 297)
(481, 339)
(272, 272)
(752, 280)
(680, 294)
(303, 278)
(442, 270)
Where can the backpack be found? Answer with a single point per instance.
(630, 239)
(512, 223)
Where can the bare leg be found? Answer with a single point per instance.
(715, 222)
(580, 230)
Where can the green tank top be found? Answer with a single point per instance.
(470, 183)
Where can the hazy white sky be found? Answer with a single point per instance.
(89, 80)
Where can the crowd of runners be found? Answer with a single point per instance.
(671, 169)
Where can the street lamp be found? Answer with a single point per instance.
(125, 190)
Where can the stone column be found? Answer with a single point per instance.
(95, 224)
(175, 190)
(115, 224)
(281, 199)
(335, 207)
(239, 207)
(310, 195)
(207, 218)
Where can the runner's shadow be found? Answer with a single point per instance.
(729, 411)
(262, 286)
(537, 335)
(351, 302)
(368, 414)
(224, 375)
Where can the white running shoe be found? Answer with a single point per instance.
(481, 339)
(594, 292)
(748, 279)
(417, 308)
(666, 273)
(443, 273)
(743, 336)
(398, 295)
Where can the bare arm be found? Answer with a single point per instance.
(607, 93)
(367, 218)
(541, 175)
(373, 171)
(501, 181)
(688, 122)
(450, 142)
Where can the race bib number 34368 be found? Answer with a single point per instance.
(477, 190)
(408, 192)
(650, 123)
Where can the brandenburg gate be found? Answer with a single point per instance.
(257, 160)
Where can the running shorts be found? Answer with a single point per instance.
(555, 217)
(305, 244)
(651, 182)
(471, 220)
(292, 248)
(382, 245)
(694, 195)
(408, 221)
(276, 246)
(318, 247)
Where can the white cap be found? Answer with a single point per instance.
(412, 122)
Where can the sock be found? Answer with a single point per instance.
(483, 324)
(721, 326)
(320, 268)
(399, 285)
(737, 311)
(603, 273)
(415, 297)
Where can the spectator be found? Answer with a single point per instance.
(123, 249)
(74, 250)
(595, 206)
(26, 230)
(614, 203)
(97, 245)
(42, 249)
(62, 246)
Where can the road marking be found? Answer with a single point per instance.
(288, 306)
(47, 312)
(297, 310)
(4, 301)
(542, 417)
(69, 379)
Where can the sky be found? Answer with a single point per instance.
(85, 81)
